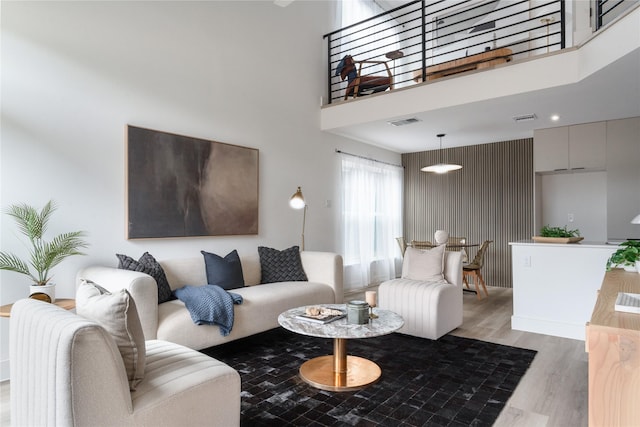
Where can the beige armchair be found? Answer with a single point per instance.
(67, 371)
(430, 308)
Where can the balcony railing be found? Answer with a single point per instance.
(422, 41)
(607, 10)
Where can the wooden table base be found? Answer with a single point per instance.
(339, 372)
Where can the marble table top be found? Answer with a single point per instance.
(386, 323)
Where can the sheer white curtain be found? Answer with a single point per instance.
(371, 220)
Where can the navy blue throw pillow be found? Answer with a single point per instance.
(281, 266)
(225, 272)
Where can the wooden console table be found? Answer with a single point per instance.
(613, 344)
(478, 61)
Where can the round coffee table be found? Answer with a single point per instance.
(339, 371)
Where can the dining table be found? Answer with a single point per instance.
(448, 245)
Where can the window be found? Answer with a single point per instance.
(371, 220)
(372, 39)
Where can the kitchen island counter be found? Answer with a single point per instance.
(581, 244)
(555, 285)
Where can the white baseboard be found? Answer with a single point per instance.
(541, 326)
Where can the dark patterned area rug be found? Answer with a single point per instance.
(449, 382)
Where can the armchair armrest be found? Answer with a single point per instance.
(368, 61)
(453, 267)
(324, 267)
(141, 286)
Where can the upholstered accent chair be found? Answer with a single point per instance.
(68, 371)
(431, 305)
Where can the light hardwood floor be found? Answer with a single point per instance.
(553, 392)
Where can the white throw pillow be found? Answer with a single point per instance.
(118, 315)
(426, 265)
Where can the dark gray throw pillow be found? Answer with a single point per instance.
(148, 264)
(281, 266)
(225, 272)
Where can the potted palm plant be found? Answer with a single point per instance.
(626, 257)
(43, 254)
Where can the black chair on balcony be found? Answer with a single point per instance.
(362, 84)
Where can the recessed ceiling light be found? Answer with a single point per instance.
(555, 118)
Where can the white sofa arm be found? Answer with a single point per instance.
(141, 286)
(324, 267)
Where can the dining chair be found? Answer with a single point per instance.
(458, 241)
(473, 270)
(402, 243)
(421, 244)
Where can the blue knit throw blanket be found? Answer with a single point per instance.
(210, 305)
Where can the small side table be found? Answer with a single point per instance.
(66, 303)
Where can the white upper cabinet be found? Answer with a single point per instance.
(570, 148)
(588, 146)
(551, 149)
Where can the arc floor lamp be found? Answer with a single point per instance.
(297, 202)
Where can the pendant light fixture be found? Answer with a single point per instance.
(441, 167)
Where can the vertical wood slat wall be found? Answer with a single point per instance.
(490, 198)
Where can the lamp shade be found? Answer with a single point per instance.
(441, 167)
(636, 220)
(297, 200)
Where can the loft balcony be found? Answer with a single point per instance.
(460, 66)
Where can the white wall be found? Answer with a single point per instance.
(582, 194)
(74, 74)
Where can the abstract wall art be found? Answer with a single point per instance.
(179, 186)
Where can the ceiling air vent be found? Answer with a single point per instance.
(525, 118)
(404, 122)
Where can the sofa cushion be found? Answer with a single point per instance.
(118, 315)
(225, 272)
(148, 264)
(424, 265)
(281, 266)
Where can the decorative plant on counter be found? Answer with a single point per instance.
(548, 231)
(626, 256)
(44, 255)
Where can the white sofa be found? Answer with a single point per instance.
(67, 371)
(430, 308)
(262, 303)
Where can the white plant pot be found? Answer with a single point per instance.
(49, 289)
(631, 268)
(638, 266)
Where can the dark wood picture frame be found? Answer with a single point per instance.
(179, 186)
